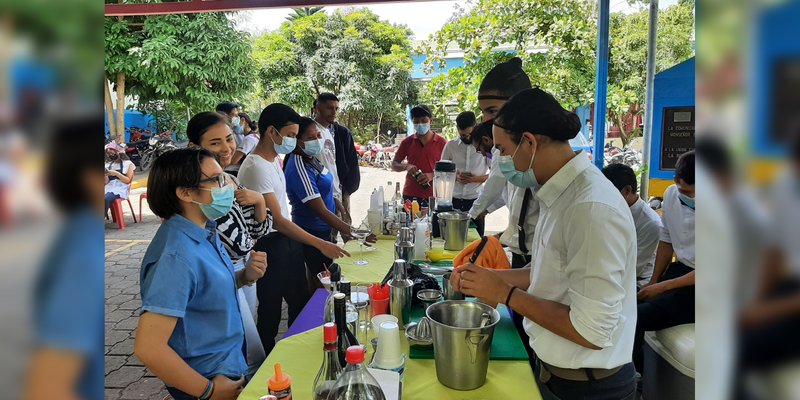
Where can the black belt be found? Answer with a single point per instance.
(580, 375)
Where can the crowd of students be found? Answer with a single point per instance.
(592, 263)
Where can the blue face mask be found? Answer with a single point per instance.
(221, 202)
(422, 129)
(238, 129)
(286, 146)
(686, 200)
(313, 147)
(524, 179)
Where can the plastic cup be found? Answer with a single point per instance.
(378, 299)
(389, 354)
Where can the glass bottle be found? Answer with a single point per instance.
(355, 382)
(351, 312)
(336, 275)
(345, 337)
(331, 368)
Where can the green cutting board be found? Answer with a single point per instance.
(506, 344)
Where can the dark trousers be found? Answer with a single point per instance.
(519, 261)
(464, 205)
(314, 259)
(285, 279)
(620, 386)
(109, 198)
(672, 308)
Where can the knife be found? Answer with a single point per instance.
(479, 250)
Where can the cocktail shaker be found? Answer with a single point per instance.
(400, 292)
(404, 246)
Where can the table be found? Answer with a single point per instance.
(380, 260)
(300, 351)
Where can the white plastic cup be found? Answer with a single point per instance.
(389, 354)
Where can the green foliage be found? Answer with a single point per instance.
(492, 31)
(303, 12)
(351, 52)
(196, 60)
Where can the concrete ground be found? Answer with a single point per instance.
(126, 377)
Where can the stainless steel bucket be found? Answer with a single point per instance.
(460, 346)
(453, 227)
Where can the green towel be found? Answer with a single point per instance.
(506, 344)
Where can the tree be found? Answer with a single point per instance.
(351, 52)
(566, 66)
(196, 60)
(303, 12)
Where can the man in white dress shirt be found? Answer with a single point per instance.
(647, 221)
(668, 299)
(471, 168)
(579, 295)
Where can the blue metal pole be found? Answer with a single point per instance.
(601, 82)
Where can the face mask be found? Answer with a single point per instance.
(286, 146)
(221, 202)
(238, 129)
(686, 200)
(313, 147)
(522, 179)
(422, 129)
(235, 121)
(466, 140)
(113, 156)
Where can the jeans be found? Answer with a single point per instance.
(109, 198)
(285, 279)
(620, 386)
(464, 205)
(672, 308)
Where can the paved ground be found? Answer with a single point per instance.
(126, 377)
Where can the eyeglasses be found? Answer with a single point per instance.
(219, 180)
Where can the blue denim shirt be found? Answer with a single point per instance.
(187, 274)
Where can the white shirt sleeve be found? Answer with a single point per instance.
(492, 190)
(598, 239)
(447, 152)
(647, 245)
(257, 177)
(249, 144)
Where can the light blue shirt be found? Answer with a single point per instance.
(187, 274)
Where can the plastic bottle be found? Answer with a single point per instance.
(280, 384)
(420, 239)
(356, 383)
(331, 368)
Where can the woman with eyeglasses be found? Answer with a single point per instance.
(190, 332)
(239, 228)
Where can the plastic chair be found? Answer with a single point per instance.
(117, 215)
(142, 196)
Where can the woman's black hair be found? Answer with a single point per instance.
(172, 170)
(249, 121)
(201, 123)
(684, 167)
(72, 152)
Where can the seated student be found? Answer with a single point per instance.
(190, 332)
(648, 223)
(261, 171)
(668, 299)
(119, 174)
(309, 186)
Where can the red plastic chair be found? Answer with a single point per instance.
(142, 196)
(117, 215)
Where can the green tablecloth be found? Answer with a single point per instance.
(301, 355)
(380, 260)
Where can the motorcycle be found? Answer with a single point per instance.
(157, 145)
(135, 149)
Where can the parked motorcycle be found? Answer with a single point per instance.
(135, 149)
(157, 145)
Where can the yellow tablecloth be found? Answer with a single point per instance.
(380, 260)
(301, 356)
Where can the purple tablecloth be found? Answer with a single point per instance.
(311, 316)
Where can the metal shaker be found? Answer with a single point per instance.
(404, 246)
(400, 292)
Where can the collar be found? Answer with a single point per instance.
(436, 138)
(559, 183)
(637, 207)
(191, 229)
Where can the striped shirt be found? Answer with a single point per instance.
(239, 230)
(307, 179)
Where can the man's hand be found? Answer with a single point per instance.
(332, 251)
(652, 291)
(411, 169)
(422, 179)
(247, 197)
(226, 389)
(256, 266)
(482, 283)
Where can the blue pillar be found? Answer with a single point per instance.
(601, 82)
